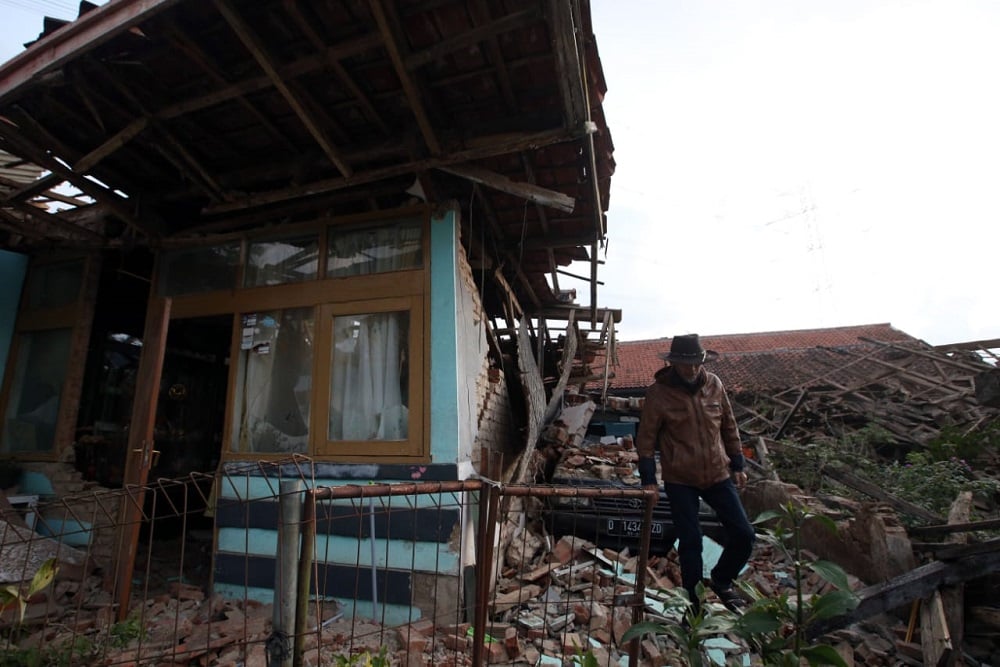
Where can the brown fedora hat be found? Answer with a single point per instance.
(687, 349)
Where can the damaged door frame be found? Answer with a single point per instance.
(141, 447)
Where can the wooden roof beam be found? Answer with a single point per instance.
(190, 162)
(488, 147)
(15, 225)
(481, 15)
(550, 242)
(258, 50)
(569, 75)
(292, 6)
(22, 191)
(93, 28)
(394, 49)
(532, 193)
(292, 70)
(52, 221)
(482, 32)
(115, 204)
(491, 216)
(198, 56)
(543, 218)
(116, 141)
(44, 193)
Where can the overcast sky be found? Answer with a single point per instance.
(788, 164)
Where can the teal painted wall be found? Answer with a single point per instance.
(444, 338)
(418, 558)
(13, 267)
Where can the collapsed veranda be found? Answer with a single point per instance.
(249, 231)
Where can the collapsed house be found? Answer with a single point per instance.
(348, 232)
(844, 390)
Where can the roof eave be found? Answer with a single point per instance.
(74, 38)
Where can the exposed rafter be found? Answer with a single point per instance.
(255, 45)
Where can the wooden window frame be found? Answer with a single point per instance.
(414, 447)
(75, 317)
(409, 289)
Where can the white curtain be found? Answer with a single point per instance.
(369, 373)
(274, 402)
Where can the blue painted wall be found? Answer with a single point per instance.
(13, 266)
(444, 338)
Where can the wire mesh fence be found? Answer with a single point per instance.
(266, 564)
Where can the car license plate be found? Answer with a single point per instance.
(632, 528)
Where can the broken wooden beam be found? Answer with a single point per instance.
(873, 490)
(915, 584)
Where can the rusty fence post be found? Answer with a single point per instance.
(489, 504)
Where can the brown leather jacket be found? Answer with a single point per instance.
(694, 429)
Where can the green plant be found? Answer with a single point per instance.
(123, 632)
(965, 445)
(930, 483)
(11, 595)
(363, 659)
(696, 624)
(777, 626)
(69, 653)
(774, 627)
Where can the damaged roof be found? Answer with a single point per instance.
(831, 382)
(751, 360)
(172, 121)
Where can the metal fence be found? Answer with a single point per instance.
(267, 565)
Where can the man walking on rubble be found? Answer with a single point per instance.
(688, 419)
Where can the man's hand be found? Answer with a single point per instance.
(740, 480)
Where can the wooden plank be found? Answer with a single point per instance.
(935, 639)
(532, 193)
(953, 597)
(918, 583)
(122, 137)
(875, 491)
(139, 458)
(941, 529)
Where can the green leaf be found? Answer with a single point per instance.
(757, 621)
(46, 573)
(834, 603)
(832, 573)
(823, 654)
(645, 628)
(766, 516)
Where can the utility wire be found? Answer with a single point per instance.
(55, 8)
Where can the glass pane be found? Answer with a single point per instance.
(30, 422)
(286, 261)
(54, 285)
(369, 377)
(195, 270)
(386, 247)
(274, 382)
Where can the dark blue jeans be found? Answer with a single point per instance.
(725, 500)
